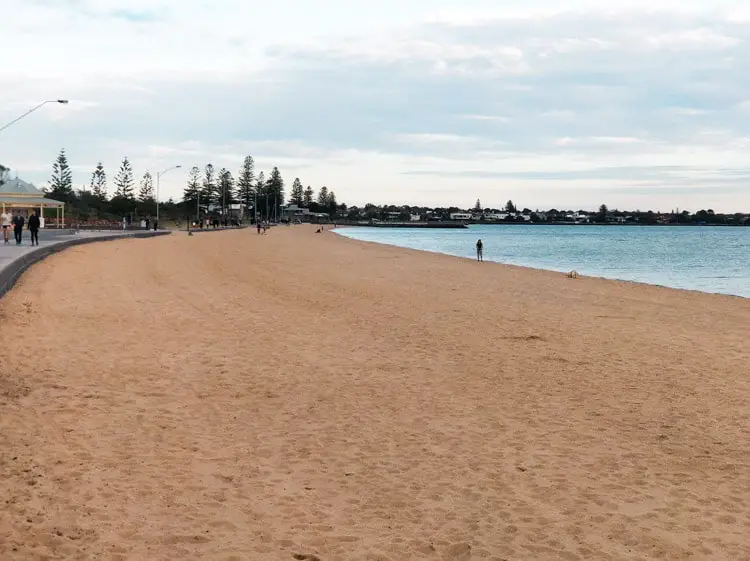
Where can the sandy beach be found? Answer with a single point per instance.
(229, 396)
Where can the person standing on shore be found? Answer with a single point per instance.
(33, 226)
(480, 247)
(5, 219)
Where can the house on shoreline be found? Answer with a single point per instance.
(19, 197)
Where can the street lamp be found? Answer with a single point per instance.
(30, 111)
(158, 177)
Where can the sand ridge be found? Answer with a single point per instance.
(231, 396)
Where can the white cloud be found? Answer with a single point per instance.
(701, 38)
(518, 96)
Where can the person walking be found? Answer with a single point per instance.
(480, 247)
(6, 218)
(18, 223)
(33, 226)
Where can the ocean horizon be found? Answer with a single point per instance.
(706, 259)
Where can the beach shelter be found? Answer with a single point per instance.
(19, 197)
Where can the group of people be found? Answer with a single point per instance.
(18, 222)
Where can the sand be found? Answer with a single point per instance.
(229, 396)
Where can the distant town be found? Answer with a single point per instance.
(371, 213)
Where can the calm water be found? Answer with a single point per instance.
(709, 259)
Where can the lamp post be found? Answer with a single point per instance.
(30, 111)
(158, 179)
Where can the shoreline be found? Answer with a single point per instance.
(365, 401)
(468, 223)
(552, 271)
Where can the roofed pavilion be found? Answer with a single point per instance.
(16, 195)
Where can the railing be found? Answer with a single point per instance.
(92, 225)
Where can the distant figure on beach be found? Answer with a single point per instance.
(147, 223)
(318, 231)
(33, 226)
(18, 223)
(124, 223)
(480, 247)
(5, 219)
(257, 223)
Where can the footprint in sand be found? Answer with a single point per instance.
(306, 557)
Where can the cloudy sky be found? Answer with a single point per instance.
(435, 102)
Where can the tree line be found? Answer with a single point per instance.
(208, 192)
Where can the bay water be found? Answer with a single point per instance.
(708, 259)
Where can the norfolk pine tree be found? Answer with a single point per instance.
(297, 196)
(124, 200)
(308, 198)
(323, 197)
(147, 203)
(260, 190)
(99, 183)
(332, 204)
(226, 190)
(61, 183)
(192, 190)
(146, 192)
(245, 182)
(209, 191)
(124, 181)
(275, 192)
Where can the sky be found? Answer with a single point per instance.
(426, 102)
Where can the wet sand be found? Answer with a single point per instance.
(230, 396)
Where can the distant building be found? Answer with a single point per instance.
(460, 216)
(238, 211)
(295, 212)
(495, 216)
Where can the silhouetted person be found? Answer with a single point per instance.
(18, 223)
(480, 247)
(33, 226)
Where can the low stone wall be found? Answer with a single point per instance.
(13, 271)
